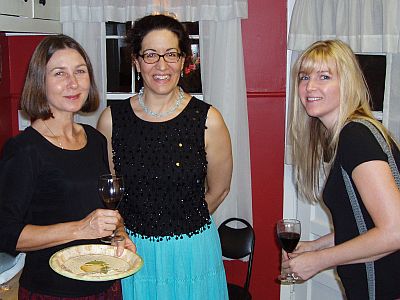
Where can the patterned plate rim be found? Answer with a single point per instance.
(58, 268)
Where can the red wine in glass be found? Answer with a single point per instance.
(111, 189)
(111, 202)
(288, 232)
(289, 240)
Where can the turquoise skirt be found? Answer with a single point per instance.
(184, 268)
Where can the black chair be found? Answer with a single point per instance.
(238, 243)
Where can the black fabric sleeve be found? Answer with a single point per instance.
(17, 179)
(357, 145)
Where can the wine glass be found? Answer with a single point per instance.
(288, 232)
(111, 189)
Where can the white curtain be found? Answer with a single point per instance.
(91, 36)
(224, 86)
(107, 10)
(129, 10)
(368, 26)
(221, 66)
(391, 105)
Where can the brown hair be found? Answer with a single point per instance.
(34, 99)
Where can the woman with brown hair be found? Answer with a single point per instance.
(48, 175)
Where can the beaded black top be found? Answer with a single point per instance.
(164, 166)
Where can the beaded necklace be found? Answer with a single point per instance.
(161, 114)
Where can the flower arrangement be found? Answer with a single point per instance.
(191, 80)
(195, 65)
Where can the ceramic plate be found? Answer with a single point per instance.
(95, 263)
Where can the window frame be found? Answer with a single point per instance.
(378, 114)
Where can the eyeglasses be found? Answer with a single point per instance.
(153, 57)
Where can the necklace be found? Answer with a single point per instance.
(56, 137)
(161, 114)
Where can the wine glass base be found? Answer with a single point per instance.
(106, 240)
(112, 239)
(287, 279)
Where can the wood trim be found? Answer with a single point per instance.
(279, 94)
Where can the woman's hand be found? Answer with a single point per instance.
(100, 223)
(305, 261)
(297, 268)
(303, 265)
(123, 242)
(104, 222)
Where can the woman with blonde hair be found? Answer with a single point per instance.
(339, 145)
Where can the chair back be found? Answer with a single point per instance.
(237, 243)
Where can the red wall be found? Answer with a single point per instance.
(15, 54)
(264, 43)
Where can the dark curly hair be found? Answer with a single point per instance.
(143, 26)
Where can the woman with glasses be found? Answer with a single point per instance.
(175, 153)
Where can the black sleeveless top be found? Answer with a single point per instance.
(164, 166)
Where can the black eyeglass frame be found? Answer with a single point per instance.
(179, 55)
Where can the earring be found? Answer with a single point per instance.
(182, 73)
(138, 76)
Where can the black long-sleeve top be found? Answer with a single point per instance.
(41, 184)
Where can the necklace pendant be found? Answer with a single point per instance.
(54, 136)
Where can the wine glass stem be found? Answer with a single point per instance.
(292, 294)
(291, 275)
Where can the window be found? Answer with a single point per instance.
(120, 83)
(191, 81)
(121, 77)
(374, 69)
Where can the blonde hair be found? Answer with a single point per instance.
(313, 145)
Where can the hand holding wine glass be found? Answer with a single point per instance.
(111, 189)
(288, 232)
